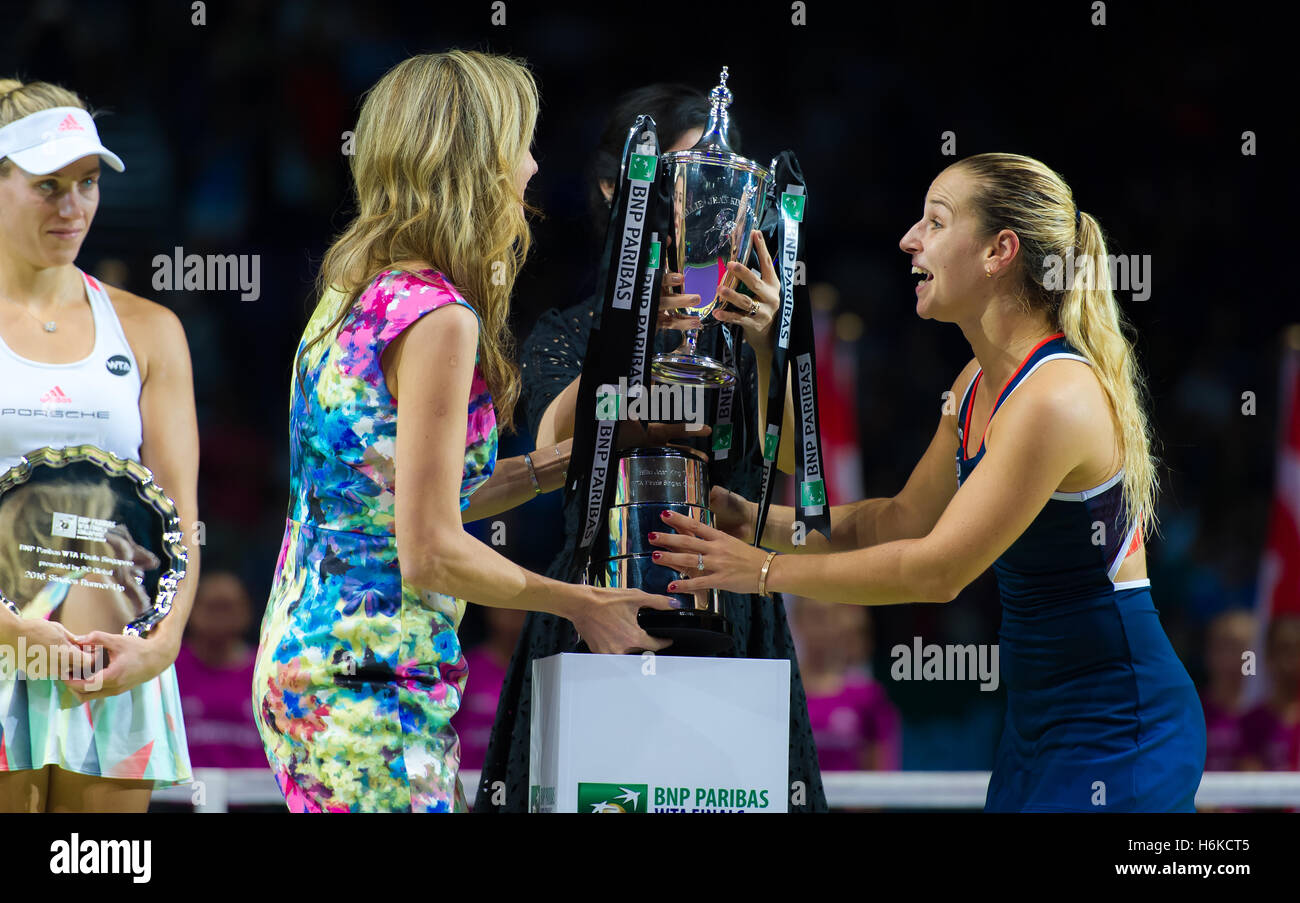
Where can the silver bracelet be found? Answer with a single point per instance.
(532, 474)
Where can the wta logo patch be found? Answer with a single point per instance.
(118, 365)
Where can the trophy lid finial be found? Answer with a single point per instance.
(715, 134)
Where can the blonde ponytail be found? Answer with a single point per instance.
(1024, 195)
(1093, 323)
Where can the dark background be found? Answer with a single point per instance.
(232, 135)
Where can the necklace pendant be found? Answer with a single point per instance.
(51, 326)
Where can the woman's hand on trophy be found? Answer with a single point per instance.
(713, 559)
(670, 301)
(609, 623)
(733, 514)
(754, 315)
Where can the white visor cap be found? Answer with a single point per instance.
(49, 140)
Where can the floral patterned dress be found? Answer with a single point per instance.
(358, 672)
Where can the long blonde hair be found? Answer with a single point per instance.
(1024, 195)
(19, 100)
(438, 144)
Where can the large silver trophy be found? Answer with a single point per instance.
(718, 199)
(89, 540)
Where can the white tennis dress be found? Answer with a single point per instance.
(137, 734)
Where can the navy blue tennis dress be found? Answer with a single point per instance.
(1101, 715)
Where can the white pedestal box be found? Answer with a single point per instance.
(659, 733)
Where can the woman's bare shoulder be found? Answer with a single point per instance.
(150, 327)
(140, 311)
(1065, 388)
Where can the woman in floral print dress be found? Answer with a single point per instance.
(359, 669)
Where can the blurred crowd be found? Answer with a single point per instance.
(233, 129)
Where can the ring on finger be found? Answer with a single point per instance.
(753, 307)
(699, 565)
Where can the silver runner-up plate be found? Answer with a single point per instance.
(89, 540)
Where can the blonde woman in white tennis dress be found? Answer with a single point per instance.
(85, 363)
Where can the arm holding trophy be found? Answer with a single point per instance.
(909, 514)
(432, 544)
(517, 480)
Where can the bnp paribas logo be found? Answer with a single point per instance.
(812, 493)
(641, 167)
(793, 205)
(770, 442)
(612, 797)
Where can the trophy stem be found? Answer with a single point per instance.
(685, 367)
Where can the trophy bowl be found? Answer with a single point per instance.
(647, 482)
(89, 540)
(718, 199)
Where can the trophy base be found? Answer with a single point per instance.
(691, 370)
(693, 632)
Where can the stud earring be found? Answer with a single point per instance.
(988, 273)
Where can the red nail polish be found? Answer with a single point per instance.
(652, 536)
(672, 587)
(656, 555)
(664, 514)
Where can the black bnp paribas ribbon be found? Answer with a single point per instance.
(795, 353)
(618, 351)
(724, 410)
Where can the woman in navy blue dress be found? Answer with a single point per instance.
(1054, 487)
